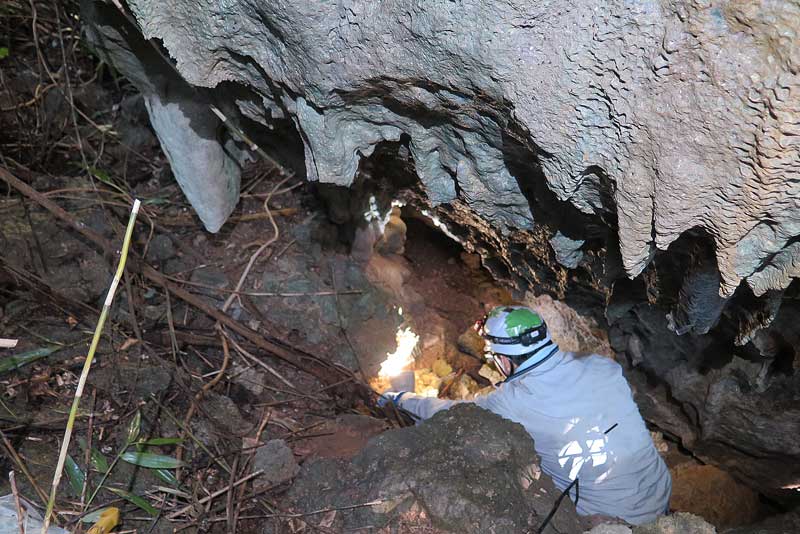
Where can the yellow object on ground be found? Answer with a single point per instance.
(426, 383)
(442, 368)
(490, 373)
(108, 520)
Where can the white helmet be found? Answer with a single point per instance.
(516, 332)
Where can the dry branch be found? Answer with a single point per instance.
(348, 386)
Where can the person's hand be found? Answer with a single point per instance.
(390, 397)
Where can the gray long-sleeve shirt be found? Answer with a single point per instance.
(567, 405)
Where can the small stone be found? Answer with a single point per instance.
(568, 251)
(470, 342)
(277, 461)
(249, 378)
(224, 413)
(680, 523)
(161, 248)
(210, 277)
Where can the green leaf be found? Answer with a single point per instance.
(134, 427)
(135, 499)
(93, 517)
(166, 476)
(15, 361)
(75, 475)
(3, 52)
(161, 441)
(103, 176)
(155, 201)
(96, 458)
(153, 461)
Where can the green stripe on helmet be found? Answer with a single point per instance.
(521, 320)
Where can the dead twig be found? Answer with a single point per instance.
(12, 479)
(229, 500)
(205, 389)
(22, 467)
(214, 495)
(264, 294)
(258, 362)
(325, 371)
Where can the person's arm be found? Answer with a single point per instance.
(426, 407)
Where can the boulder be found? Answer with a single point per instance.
(465, 470)
(206, 168)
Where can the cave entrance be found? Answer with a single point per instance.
(440, 289)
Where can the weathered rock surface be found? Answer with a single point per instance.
(206, 168)
(680, 523)
(714, 495)
(735, 407)
(464, 470)
(655, 140)
(675, 116)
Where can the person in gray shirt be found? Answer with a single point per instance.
(580, 412)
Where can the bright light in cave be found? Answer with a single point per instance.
(402, 357)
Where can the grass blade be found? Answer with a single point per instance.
(162, 441)
(15, 361)
(135, 499)
(103, 176)
(134, 427)
(153, 461)
(75, 475)
(167, 477)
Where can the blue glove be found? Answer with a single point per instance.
(392, 397)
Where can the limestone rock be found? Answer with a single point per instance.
(595, 92)
(464, 470)
(680, 523)
(607, 528)
(277, 461)
(568, 251)
(207, 171)
(572, 331)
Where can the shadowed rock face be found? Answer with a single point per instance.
(650, 147)
(464, 470)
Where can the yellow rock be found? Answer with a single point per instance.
(491, 374)
(464, 388)
(426, 383)
(109, 519)
(442, 368)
